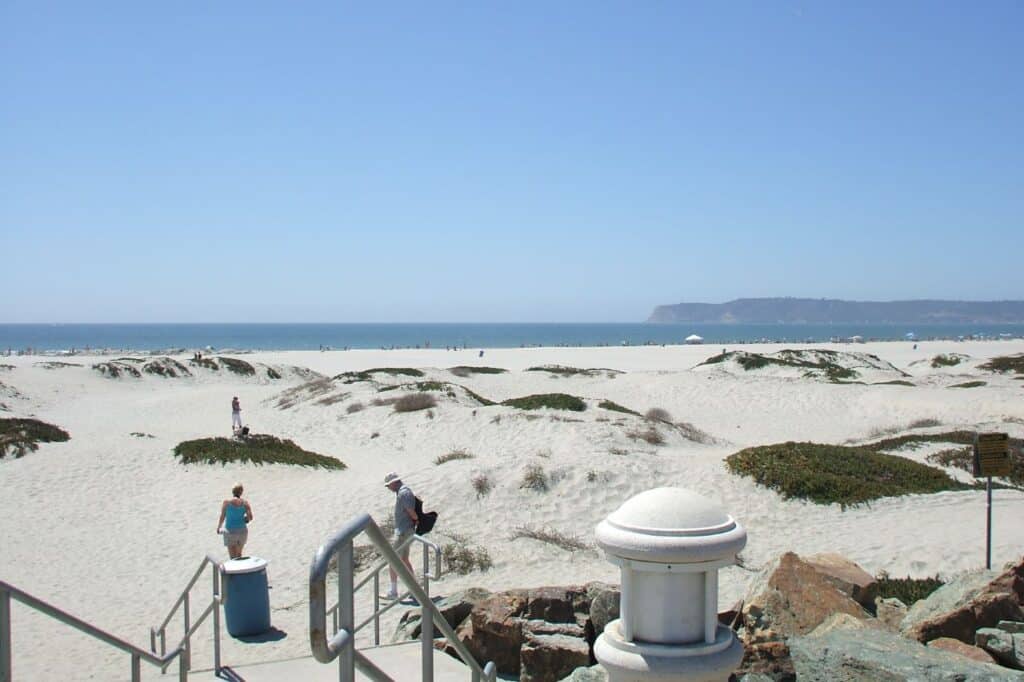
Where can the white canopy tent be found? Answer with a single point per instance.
(693, 339)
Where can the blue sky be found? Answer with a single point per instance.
(502, 162)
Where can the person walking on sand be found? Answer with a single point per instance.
(405, 525)
(235, 515)
(236, 415)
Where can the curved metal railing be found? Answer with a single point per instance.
(341, 644)
(138, 655)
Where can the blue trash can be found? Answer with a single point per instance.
(247, 597)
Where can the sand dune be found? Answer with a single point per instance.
(110, 526)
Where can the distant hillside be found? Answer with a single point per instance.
(824, 311)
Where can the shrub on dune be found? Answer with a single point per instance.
(254, 449)
(411, 402)
(18, 437)
(554, 401)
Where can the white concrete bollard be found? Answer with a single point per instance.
(669, 544)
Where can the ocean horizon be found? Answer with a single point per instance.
(335, 336)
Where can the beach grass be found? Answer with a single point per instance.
(115, 369)
(481, 484)
(166, 367)
(18, 437)
(367, 375)
(554, 401)
(456, 454)
(844, 475)
(413, 402)
(240, 367)
(563, 371)
(535, 478)
(551, 536)
(908, 590)
(253, 449)
(615, 407)
(462, 558)
(467, 370)
(206, 363)
(945, 361)
(1005, 363)
(970, 384)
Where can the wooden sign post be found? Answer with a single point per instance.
(991, 458)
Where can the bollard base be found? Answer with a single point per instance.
(644, 662)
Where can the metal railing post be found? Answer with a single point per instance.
(182, 669)
(5, 636)
(376, 608)
(427, 623)
(346, 613)
(136, 668)
(187, 651)
(216, 620)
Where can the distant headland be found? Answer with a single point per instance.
(834, 311)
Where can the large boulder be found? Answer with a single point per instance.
(869, 655)
(847, 577)
(974, 600)
(792, 597)
(604, 607)
(547, 658)
(957, 647)
(453, 608)
(999, 644)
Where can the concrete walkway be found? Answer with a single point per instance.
(400, 661)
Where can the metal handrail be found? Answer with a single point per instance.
(7, 592)
(342, 644)
(189, 627)
(374, 575)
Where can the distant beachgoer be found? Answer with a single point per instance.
(235, 515)
(405, 525)
(481, 353)
(236, 415)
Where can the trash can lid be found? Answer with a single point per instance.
(247, 564)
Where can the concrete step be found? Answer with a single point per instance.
(400, 661)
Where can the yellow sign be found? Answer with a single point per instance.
(991, 454)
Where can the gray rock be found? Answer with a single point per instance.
(1011, 626)
(548, 658)
(954, 595)
(890, 612)
(1018, 650)
(542, 627)
(594, 673)
(604, 605)
(997, 643)
(455, 608)
(877, 656)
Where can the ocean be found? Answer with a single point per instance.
(151, 337)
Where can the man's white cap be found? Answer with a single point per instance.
(391, 478)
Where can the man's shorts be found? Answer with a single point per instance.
(403, 550)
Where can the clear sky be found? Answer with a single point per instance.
(515, 161)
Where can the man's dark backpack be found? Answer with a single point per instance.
(424, 520)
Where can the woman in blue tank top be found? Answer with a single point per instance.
(235, 515)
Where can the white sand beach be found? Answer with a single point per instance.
(110, 526)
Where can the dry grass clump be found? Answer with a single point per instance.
(969, 384)
(925, 423)
(21, 436)
(49, 364)
(115, 369)
(692, 433)
(618, 451)
(333, 399)
(1005, 363)
(658, 414)
(307, 391)
(481, 484)
(650, 435)
(237, 366)
(551, 536)
(381, 402)
(140, 434)
(945, 361)
(411, 402)
(355, 407)
(455, 454)
(462, 558)
(535, 478)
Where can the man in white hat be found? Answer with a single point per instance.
(405, 525)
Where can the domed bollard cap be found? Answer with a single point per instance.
(670, 544)
(671, 525)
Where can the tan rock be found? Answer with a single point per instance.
(847, 576)
(957, 647)
(844, 621)
(791, 597)
(890, 612)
